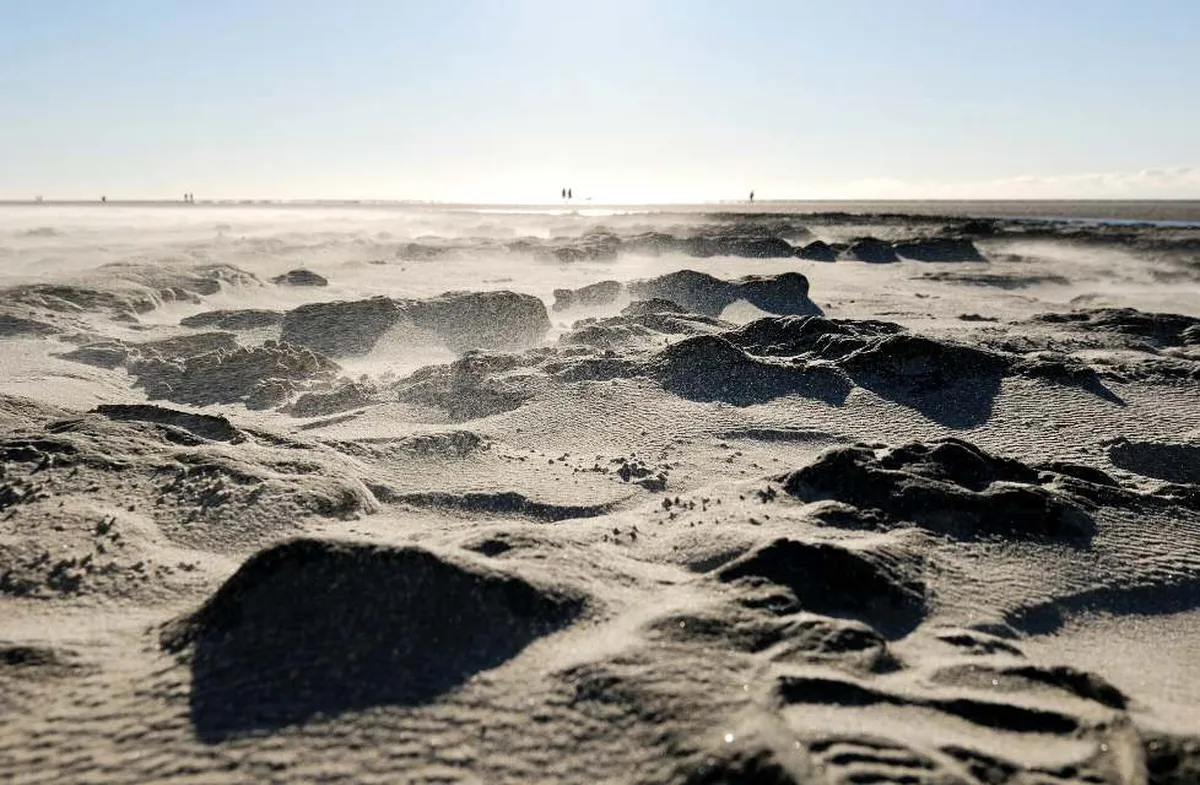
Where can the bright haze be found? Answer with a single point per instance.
(673, 100)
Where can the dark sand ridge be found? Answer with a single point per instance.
(643, 540)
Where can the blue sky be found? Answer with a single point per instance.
(500, 100)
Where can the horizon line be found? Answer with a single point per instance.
(577, 204)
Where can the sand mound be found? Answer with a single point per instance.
(476, 385)
(508, 503)
(998, 280)
(845, 643)
(826, 339)
(54, 544)
(977, 643)
(818, 251)
(792, 638)
(439, 444)
(243, 319)
(300, 278)
(602, 293)
(261, 377)
(182, 347)
(84, 500)
(203, 426)
(721, 627)
(351, 395)
(939, 249)
(594, 245)
(463, 321)
(423, 252)
(12, 326)
(710, 368)
(871, 250)
(872, 759)
(643, 326)
(868, 347)
(952, 383)
(1156, 330)
(734, 245)
(974, 227)
(923, 249)
(949, 486)
(497, 544)
(212, 486)
(948, 382)
(786, 293)
(921, 364)
(1066, 371)
(113, 354)
(868, 584)
(313, 627)
(750, 240)
(482, 320)
(212, 367)
(1027, 677)
(120, 291)
(995, 714)
(340, 328)
(655, 305)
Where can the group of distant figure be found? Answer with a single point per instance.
(187, 199)
(190, 198)
(567, 195)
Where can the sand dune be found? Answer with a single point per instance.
(651, 497)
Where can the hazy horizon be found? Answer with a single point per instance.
(659, 102)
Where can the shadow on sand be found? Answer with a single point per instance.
(1148, 600)
(313, 628)
(710, 368)
(960, 406)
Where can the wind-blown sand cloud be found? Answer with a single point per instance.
(1177, 182)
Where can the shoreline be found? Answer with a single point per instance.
(1167, 212)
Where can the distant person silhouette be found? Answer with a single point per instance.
(103, 200)
(564, 193)
(569, 194)
(751, 197)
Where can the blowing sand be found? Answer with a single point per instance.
(645, 496)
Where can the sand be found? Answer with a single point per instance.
(670, 495)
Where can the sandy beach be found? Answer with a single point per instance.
(698, 494)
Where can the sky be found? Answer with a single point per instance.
(622, 100)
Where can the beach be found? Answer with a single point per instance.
(729, 493)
